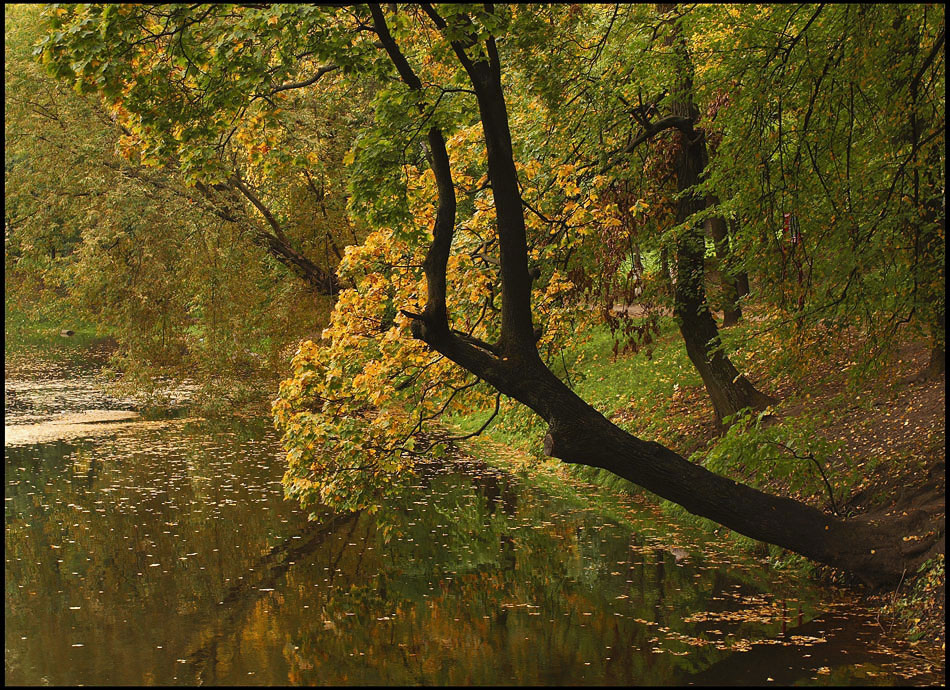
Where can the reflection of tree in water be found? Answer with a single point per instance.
(464, 584)
(241, 597)
(497, 489)
(87, 525)
(659, 575)
(782, 663)
(481, 580)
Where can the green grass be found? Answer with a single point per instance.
(661, 398)
(609, 384)
(23, 331)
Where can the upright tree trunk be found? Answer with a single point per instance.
(742, 277)
(732, 312)
(927, 191)
(665, 277)
(937, 365)
(727, 388)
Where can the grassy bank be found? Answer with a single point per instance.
(161, 391)
(874, 434)
(22, 331)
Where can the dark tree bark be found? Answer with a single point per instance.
(742, 277)
(927, 190)
(937, 366)
(577, 433)
(727, 388)
(665, 270)
(275, 241)
(731, 310)
(319, 280)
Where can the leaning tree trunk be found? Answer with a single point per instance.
(275, 242)
(318, 279)
(727, 388)
(877, 553)
(578, 433)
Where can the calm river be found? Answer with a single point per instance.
(161, 552)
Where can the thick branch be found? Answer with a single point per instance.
(306, 82)
(517, 331)
(684, 124)
(435, 316)
(874, 552)
(277, 245)
(934, 51)
(249, 194)
(402, 65)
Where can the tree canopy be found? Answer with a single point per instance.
(467, 181)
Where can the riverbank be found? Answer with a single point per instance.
(879, 440)
(467, 575)
(874, 442)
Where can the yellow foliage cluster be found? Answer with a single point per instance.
(355, 412)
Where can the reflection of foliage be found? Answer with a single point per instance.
(463, 577)
(90, 538)
(459, 568)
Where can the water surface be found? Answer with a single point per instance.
(163, 552)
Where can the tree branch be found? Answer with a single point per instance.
(938, 44)
(239, 184)
(434, 321)
(326, 69)
(684, 124)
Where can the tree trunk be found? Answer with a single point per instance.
(276, 242)
(321, 281)
(937, 366)
(938, 363)
(877, 554)
(727, 388)
(929, 243)
(577, 433)
(731, 311)
(665, 273)
(742, 277)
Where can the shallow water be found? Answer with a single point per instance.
(163, 553)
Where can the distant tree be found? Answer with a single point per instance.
(834, 126)
(137, 250)
(729, 390)
(251, 159)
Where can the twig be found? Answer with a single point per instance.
(810, 456)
